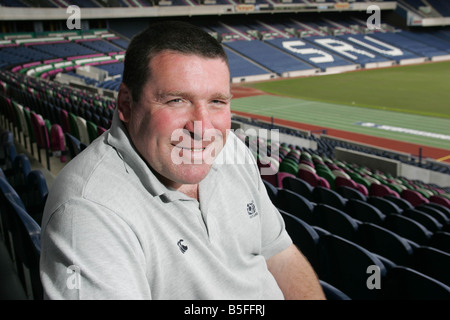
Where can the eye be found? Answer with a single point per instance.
(176, 102)
(219, 102)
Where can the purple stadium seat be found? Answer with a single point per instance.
(41, 135)
(309, 176)
(381, 190)
(341, 181)
(414, 197)
(100, 130)
(280, 176)
(270, 167)
(58, 144)
(312, 178)
(65, 121)
(324, 182)
(440, 200)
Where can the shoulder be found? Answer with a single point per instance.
(236, 151)
(237, 162)
(87, 176)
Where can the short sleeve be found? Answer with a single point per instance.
(88, 252)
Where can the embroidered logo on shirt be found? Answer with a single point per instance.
(183, 248)
(251, 209)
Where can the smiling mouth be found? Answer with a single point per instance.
(190, 148)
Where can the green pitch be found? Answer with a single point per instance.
(421, 89)
(409, 103)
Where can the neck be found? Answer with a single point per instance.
(191, 190)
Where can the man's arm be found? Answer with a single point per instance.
(295, 276)
(89, 252)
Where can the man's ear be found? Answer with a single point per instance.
(124, 102)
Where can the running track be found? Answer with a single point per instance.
(396, 145)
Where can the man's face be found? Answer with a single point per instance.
(181, 120)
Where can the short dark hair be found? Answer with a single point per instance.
(174, 36)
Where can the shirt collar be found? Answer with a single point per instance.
(119, 139)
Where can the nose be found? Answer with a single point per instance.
(199, 122)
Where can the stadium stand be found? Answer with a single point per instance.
(57, 94)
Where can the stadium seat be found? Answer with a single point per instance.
(432, 262)
(64, 120)
(9, 113)
(25, 240)
(92, 130)
(400, 202)
(58, 142)
(332, 293)
(440, 240)
(73, 144)
(306, 166)
(303, 236)
(298, 186)
(31, 135)
(272, 191)
(414, 197)
(82, 130)
(407, 228)
(384, 242)
(350, 193)
(344, 264)
(308, 176)
(342, 181)
(381, 190)
(327, 196)
(296, 205)
(268, 169)
(403, 283)
(326, 174)
(364, 212)
(54, 113)
(9, 151)
(17, 176)
(339, 172)
(384, 205)
(440, 200)
(10, 286)
(424, 219)
(42, 137)
(36, 195)
(361, 180)
(73, 125)
(443, 209)
(23, 128)
(335, 221)
(289, 166)
(435, 213)
(280, 176)
(100, 130)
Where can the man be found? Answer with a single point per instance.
(147, 211)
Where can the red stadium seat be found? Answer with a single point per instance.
(414, 197)
(440, 200)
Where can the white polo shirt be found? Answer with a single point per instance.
(111, 230)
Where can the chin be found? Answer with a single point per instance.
(191, 173)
